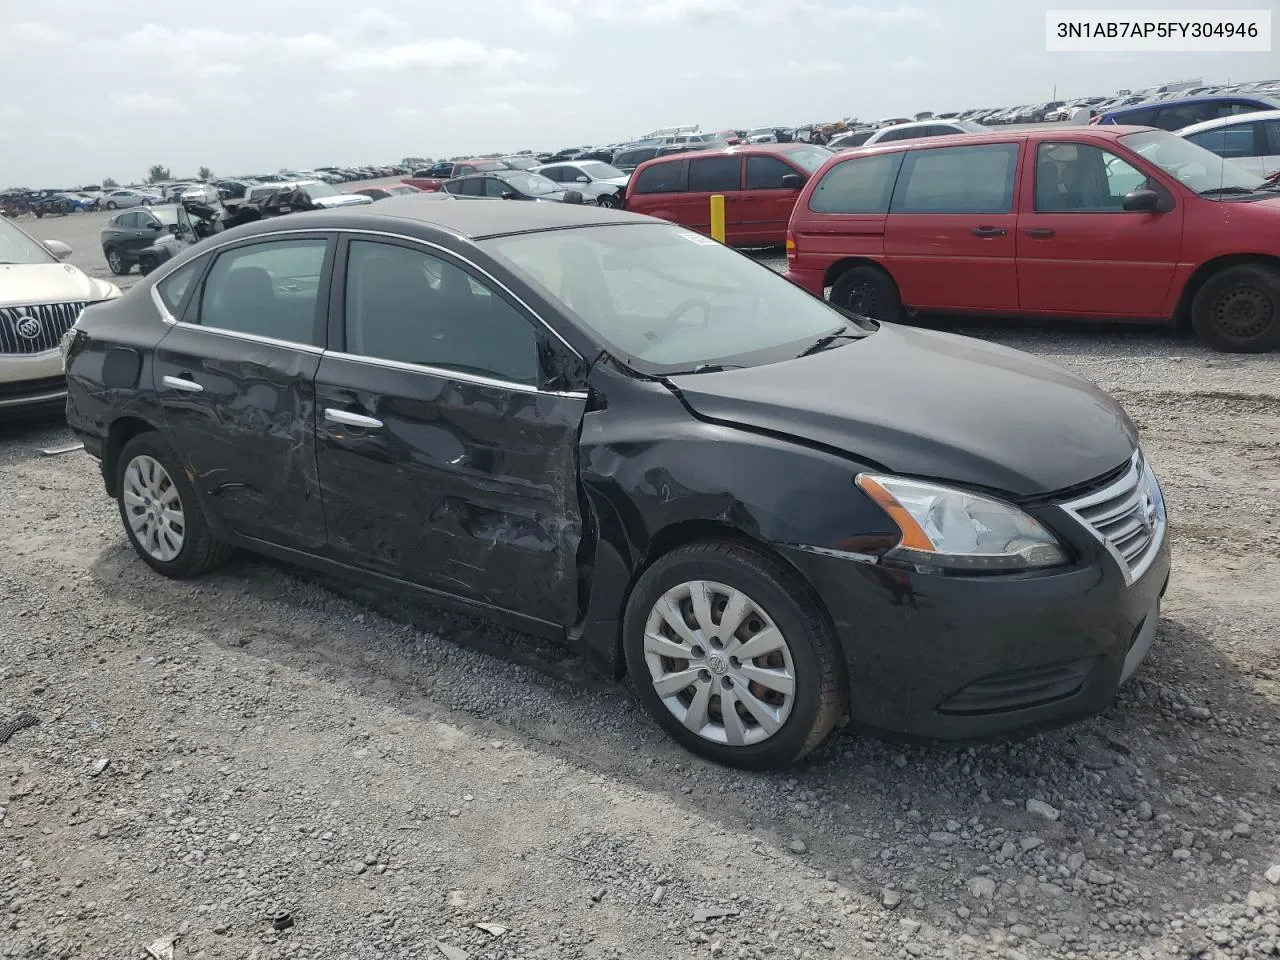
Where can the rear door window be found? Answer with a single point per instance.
(861, 185)
(1138, 118)
(715, 174)
(1271, 131)
(1185, 114)
(661, 178)
(975, 179)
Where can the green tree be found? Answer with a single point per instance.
(108, 183)
(158, 173)
(205, 173)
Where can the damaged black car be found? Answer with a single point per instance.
(603, 428)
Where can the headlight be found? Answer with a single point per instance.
(961, 531)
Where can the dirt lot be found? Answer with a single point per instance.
(393, 776)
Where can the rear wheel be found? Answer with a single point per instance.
(730, 654)
(146, 265)
(161, 514)
(870, 292)
(608, 200)
(1238, 309)
(111, 204)
(116, 262)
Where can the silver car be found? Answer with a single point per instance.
(40, 300)
(119, 199)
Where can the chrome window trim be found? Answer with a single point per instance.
(168, 317)
(448, 374)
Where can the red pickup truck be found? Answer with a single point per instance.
(431, 178)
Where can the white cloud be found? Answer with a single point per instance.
(484, 108)
(369, 41)
(345, 95)
(523, 88)
(406, 112)
(10, 112)
(148, 102)
(810, 68)
(33, 32)
(906, 63)
(561, 16)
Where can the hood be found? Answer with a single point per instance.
(341, 200)
(24, 284)
(931, 405)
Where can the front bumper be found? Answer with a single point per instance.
(958, 658)
(31, 383)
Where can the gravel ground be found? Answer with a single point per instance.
(210, 753)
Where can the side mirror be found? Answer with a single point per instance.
(58, 249)
(573, 196)
(1144, 201)
(508, 195)
(153, 225)
(582, 179)
(793, 181)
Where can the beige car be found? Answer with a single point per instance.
(40, 300)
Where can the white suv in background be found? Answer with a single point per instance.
(40, 300)
(1250, 140)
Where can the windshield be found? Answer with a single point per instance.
(599, 170)
(317, 189)
(809, 158)
(761, 131)
(520, 163)
(969, 126)
(484, 166)
(667, 300)
(166, 215)
(531, 184)
(1193, 165)
(17, 247)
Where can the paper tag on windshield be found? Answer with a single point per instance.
(699, 239)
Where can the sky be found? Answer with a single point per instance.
(244, 87)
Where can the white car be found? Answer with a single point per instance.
(40, 300)
(926, 128)
(200, 193)
(321, 194)
(1249, 140)
(119, 199)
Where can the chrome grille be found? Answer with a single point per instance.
(37, 328)
(1127, 515)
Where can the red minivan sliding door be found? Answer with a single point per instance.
(950, 238)
(708, 176)
(1079, 251)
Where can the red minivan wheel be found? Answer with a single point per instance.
(1238, 309)
(870, 292)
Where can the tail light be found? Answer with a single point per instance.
(791, 246)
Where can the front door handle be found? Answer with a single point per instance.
(178, 383)
(1040, 233)
(351, 419)
(989, 231)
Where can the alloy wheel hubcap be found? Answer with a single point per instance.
(719, 663)
(153, 508)
(1244, 312)
(114, 260)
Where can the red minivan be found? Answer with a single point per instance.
(1118, 223)
(760, 184)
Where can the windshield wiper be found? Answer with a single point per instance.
(1223, 191)
(823, 342)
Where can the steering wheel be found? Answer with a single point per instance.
(685, 306)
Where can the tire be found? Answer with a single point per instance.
(146, 203)
(807, 654)
(146, 265)
(111, 204)
(181, 548)
(868, 291)
(1237, 310)
(608, 200)
(117, 263)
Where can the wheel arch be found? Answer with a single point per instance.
(841, 267)
(1200, 276)
(122, 430)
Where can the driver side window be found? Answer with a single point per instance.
(1081, 178)
(406, 305)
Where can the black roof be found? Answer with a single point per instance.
(474, 219)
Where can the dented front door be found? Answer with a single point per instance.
(441, 460)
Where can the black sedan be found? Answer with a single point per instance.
(596, 426)
(510, 185)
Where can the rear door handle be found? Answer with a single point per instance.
(351, 419)
(989, 231)
(1040, 232)
(178, 383)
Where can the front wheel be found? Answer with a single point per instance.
(111, 204)
(868, 292)
(730, 653)
(146, 265)
(161, 514)
(1238, 309)
(609, 200)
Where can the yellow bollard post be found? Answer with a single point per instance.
(717, 217)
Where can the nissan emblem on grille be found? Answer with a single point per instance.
(28, 327)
